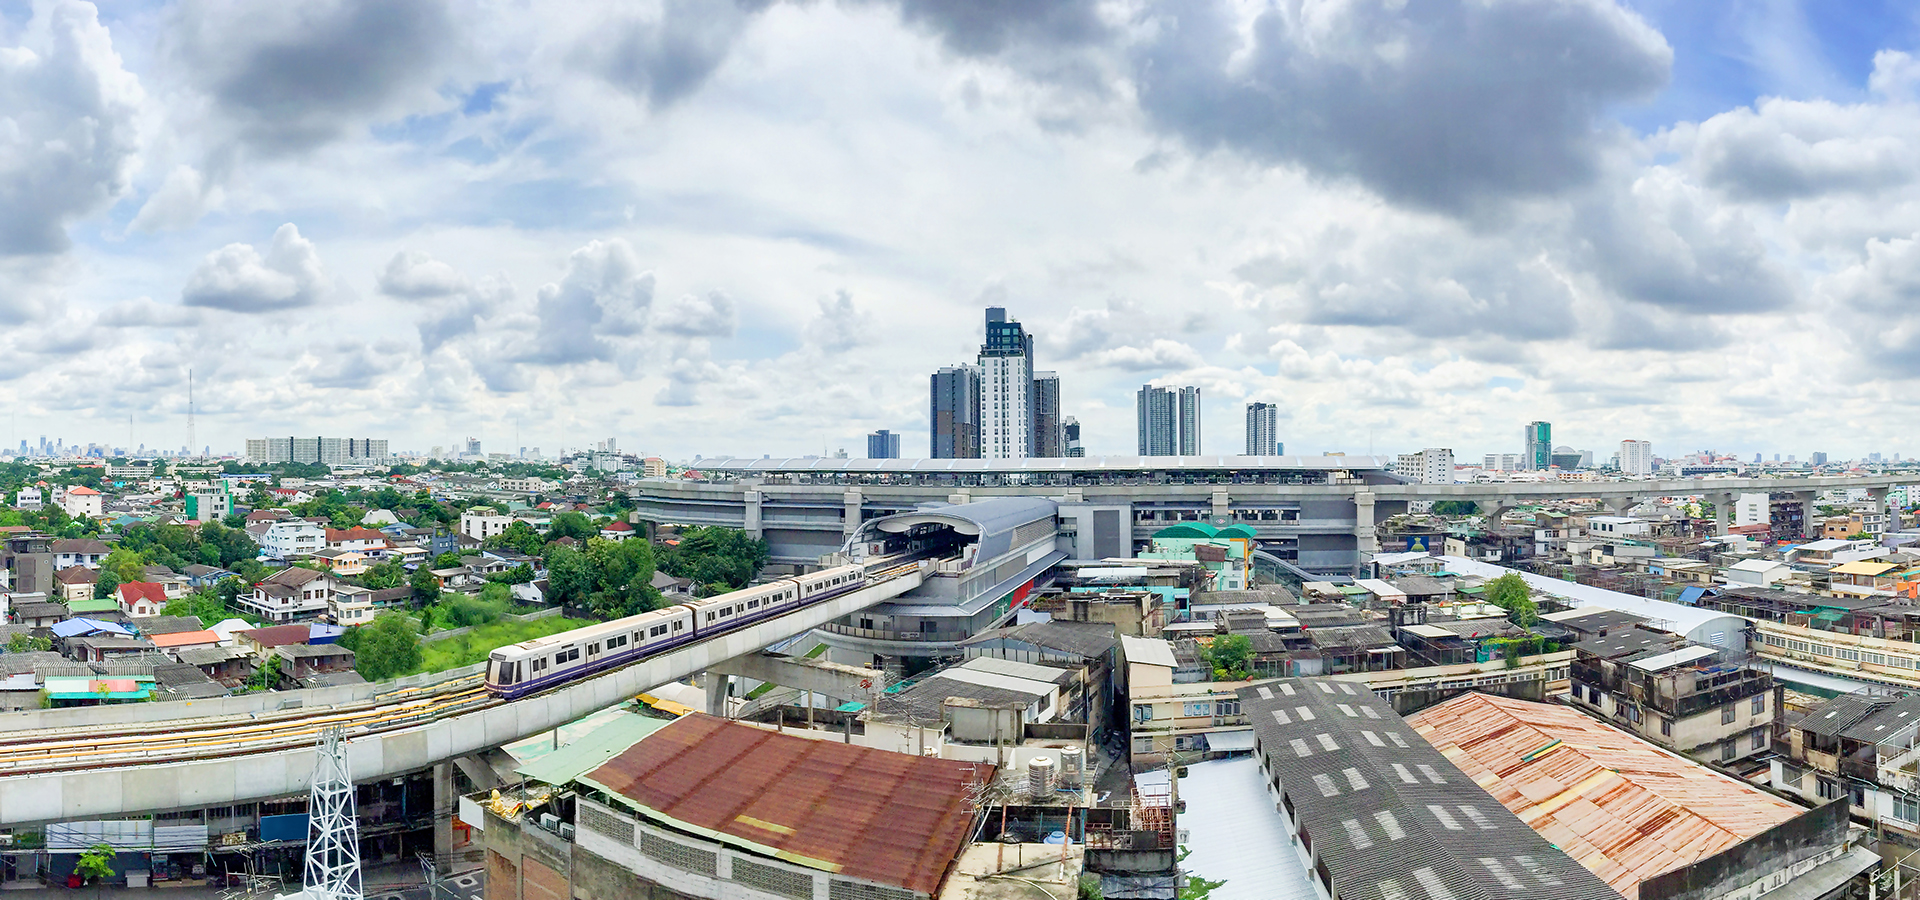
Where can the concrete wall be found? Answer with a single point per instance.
(1791, 847)
(111, 793)
(242, 705)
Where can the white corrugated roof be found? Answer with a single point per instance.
(1678, 657)
(1670, 617)
(1235, 834)
(1151, 651)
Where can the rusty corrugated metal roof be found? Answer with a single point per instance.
(1623, 808)
(873, 814)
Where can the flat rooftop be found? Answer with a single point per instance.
(1064, 464)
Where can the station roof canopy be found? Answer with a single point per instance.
(985, 517)
(1062, 464)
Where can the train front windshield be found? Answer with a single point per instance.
(500, 671)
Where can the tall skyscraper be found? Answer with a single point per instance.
(1049, 438)
(1006, 389)
(1263, 429)
(1169, 421)
(1536, 450)
(1070, 432)
(883, 444)
(954, 413)
(1636, 457)
(1819, 458)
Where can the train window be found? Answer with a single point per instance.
(709, 617)
(679, 625)
(658, 630)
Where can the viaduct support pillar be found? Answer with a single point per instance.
(1222, 508)
(717, 694)
(1721, 511)
(1807, 512)
(855, 503)
(753, 528)
(1364, 527)
(445, 805)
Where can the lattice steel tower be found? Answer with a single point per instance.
(333, 830)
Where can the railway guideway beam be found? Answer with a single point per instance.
(798, 672)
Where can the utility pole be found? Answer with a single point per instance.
(191, 441)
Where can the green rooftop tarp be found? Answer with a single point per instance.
(578, 757)
(93, 604)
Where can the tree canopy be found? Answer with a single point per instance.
(1231, 656)
(718, 559)
(385, 648)
(1512, 593)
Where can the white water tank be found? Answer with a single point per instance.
(1040, 776)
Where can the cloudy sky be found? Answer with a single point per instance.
(714, 228)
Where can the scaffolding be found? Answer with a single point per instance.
(333, 836)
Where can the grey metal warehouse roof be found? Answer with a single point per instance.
(1390, 817)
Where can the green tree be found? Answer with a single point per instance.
(712, 555)
(26, 643)
(519, 536)
(105, 587)
(386, 648)
(95, 864)
(266, 676)
(572, 524)
(1453, 507)
(125, 564)
(1196, 888)
(425, 589)
(447, 561)
(204, 604)
(570, 579)
(1231, 656)
(1512, 593)
(384, 574)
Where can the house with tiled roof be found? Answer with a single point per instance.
(140, 599)
(362, 540)
(79, 500)
(75, 582)
(617, 531)
(290, 595)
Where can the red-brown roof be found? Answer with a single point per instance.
(1620, 806)
(278, 635)
(888, 817)
(617, 526)
(356, 533)
(77, 575)
(143, 590)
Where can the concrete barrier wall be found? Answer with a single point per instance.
(239, 705)
(113, 793)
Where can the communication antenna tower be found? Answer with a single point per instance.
(333, 832)
(190, 438)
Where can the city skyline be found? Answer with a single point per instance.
(524, 219)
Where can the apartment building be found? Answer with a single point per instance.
(1705, 703)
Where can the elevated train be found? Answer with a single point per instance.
(544, 663)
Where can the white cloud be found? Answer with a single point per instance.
(413, 275)
(69, 136)
(840, 325)
(237, 278)
(707, 315)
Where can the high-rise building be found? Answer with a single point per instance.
(1433, 465)
(1049, 438)
(883, 444)
(954, 413)
(473, 446)
(325, 450)
(1818, 459)
(1536, 450)
(1169, 421)
(1501, 462)
(1006, 389)
(1263, 429)
(1070, 432)
(1636, 457)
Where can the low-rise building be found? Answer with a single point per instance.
(80, 501)
(76, 582)
(289, 539)
(1651, 824)
(140, 599)
(1703, 702)
(800, 818)
(482, 522)
(1165, 718)
(1374, 811)
(70, 552)
(291, 594)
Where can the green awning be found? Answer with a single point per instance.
(578, 757)
(1831, 615)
